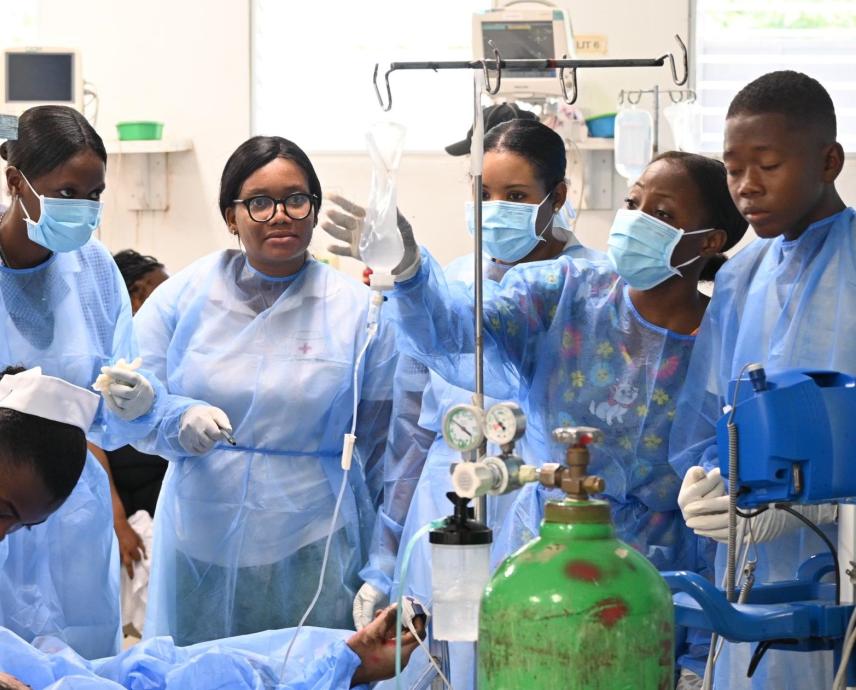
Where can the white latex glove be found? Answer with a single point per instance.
(704, 504)
(126, 393)
(368, 600)
(201, 427)
(346, 224)
(699, 484)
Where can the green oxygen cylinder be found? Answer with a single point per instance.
(576, 608)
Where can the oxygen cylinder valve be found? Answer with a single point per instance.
(491, 475)
(573, 477)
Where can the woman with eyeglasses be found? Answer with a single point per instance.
(270, 336)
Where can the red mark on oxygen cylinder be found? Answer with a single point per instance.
(611, 610)
(583, 570)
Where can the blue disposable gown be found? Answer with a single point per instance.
(239, 532)
(70, 315)
(320, 660)
(568, 332)
(563, 338)
(783, 304)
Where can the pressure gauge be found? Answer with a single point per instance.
(505, 423)
(463, 427)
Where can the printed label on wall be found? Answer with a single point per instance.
(594, 44)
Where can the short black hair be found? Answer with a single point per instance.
(797, 96)
(535, 142)
(134, 266)
(48, 136)
(255, 153)
(710, 178)
(56, 451)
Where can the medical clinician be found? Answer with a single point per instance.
(787, 300)
(271, 337)
(43, 421)
(593, 344)
(323, 659)
(531, 163)
(64, 307)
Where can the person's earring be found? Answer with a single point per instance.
(234, 231)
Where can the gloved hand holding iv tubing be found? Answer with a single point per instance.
(703, 500)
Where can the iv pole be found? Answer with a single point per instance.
(476, 160)
(498, 65)
(482, 82)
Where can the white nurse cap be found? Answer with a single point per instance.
(48, 397)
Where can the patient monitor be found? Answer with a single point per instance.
(40, 76)
(526, 30)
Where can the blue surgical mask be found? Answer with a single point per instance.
(64, 224)
(508, 228)
(641, 246)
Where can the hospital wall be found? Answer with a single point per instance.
(188, 63)
(184, 63)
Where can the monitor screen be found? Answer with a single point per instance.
(40, 77)
(519, 40)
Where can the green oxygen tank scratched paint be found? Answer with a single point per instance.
(576, 609)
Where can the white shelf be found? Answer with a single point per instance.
(595, 144)
(149, 146)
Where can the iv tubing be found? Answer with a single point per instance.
(404, 567)
(346, 466)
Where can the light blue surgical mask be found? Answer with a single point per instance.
(64, 224)
(508, 228)
(641, 246)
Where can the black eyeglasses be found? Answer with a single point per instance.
(263, 207)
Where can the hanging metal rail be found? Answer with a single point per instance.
(498, 65)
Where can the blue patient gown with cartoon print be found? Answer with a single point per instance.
(70, 315)
(568, 332)
(240, 532)
(563, 338)
(783, 304)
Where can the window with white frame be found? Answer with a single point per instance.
(312, 70)
(739, 40)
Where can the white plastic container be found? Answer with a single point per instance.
(459, 575)
(634, 142)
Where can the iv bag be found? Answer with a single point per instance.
(686, 125)
(634, 142)
(381, 246)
